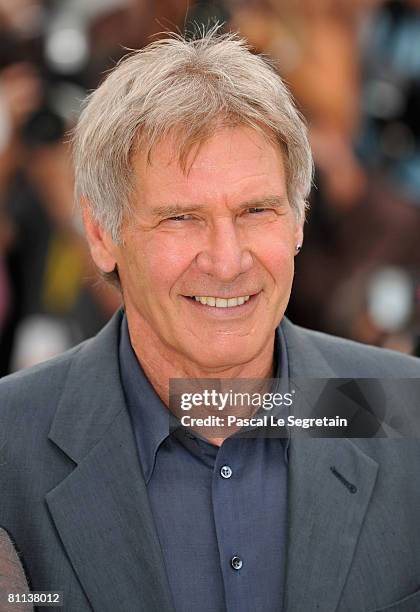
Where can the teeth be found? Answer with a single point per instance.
(222, 302)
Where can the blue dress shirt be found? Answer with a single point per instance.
(220, 512)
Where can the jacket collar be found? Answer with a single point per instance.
(101, 509)
(92, 396)
(325, 516)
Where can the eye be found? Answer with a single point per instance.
(255, 210)
(259, 210)
(179, 218)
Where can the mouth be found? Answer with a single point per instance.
(225, 304)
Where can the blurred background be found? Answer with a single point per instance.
(354, 69)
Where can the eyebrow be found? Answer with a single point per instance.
(173, 210)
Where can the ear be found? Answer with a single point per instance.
(299, 233)
(102, 247)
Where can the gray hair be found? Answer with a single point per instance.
(186, 87)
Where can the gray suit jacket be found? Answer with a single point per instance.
(74, 500)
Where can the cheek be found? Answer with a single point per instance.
(275, 251)
(157, 264)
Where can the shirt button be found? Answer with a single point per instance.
(225, 471)
(236, 562)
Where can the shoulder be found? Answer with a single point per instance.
(36, 390)
(45, 382)
(29, 398)
(347, 358)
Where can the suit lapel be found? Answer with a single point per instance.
(325, 519)
(101, 510)
(325, 512)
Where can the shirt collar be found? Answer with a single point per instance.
(148, 413)
(150, 417)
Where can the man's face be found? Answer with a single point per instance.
(223, 230)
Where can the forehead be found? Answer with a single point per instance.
(230, 162)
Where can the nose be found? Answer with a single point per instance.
(224, 256)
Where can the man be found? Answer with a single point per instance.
(192, 168)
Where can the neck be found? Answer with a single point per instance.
(160, 364)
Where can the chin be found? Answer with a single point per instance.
(221, 358)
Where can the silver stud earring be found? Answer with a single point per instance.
(298, 248)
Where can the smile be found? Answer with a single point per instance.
(221, 302)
